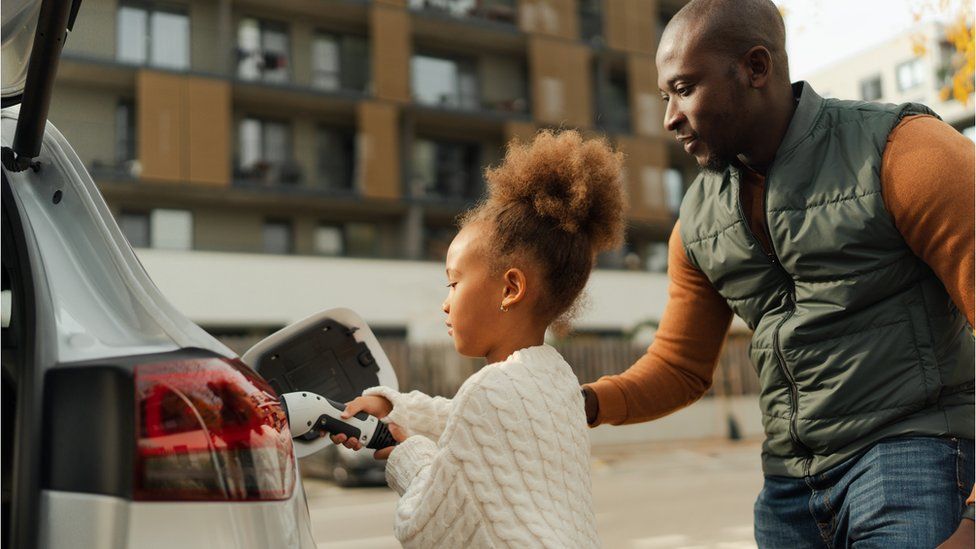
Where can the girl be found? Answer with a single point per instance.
(505, 463)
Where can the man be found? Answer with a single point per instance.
(842, 233)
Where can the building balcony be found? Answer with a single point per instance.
(496, 12)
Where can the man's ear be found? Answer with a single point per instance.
(759, 66)
(514, 289)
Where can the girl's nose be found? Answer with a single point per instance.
(446, 306)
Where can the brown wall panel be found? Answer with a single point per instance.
(644, 163)
(646, 107)
(523, 131)
(561, 75)
(558, 18)
(161, 125)
(630, 25)
(379, 150)
(208, 131)
(391, 50)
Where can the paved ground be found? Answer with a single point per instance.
(662, 495)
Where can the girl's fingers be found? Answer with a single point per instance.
(398, 433)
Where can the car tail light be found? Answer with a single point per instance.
(209, 429)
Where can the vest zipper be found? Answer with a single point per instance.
(780, 358)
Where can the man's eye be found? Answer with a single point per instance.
(664, 98)
(684, 92)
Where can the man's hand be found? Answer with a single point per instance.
(376, 406)
(591, 404)
(965, 536)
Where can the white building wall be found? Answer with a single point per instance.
(249, 290)
(843, 80)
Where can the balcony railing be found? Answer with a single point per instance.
(496, 11)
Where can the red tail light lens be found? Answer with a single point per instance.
(209, 429)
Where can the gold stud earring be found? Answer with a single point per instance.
(504, 309)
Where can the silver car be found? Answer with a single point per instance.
(124, 423)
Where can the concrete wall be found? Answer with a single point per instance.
(86, 116)
(228, 230)
(499, 76)
(206, 53)
(94, 34)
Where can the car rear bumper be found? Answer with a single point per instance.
(82, 521)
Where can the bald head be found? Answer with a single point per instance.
(731, 28)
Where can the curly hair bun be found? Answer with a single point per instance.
(573, 182)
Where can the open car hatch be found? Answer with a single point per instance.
(332, 353)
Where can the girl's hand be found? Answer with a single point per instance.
(399, 435)
(376, 406)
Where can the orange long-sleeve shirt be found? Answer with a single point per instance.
(927, 183)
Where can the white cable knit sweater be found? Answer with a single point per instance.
(505, 463)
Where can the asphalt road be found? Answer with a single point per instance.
(662, 495)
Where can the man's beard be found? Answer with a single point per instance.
(716, 162)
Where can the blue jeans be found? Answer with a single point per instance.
(903, 492)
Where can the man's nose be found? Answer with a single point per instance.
(673, 117)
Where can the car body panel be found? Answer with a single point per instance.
(91, 521)
(104, 303)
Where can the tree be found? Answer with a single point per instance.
(957, 75)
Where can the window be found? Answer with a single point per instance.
(264, 152)
(362, 239)
(612, 96)
(871, 88)
(135, 228)
(154, 36)
(591, 21)
(125, 132)
(910, 74)
(277, 237)
(652, 187)
(336, 159)
(340, 62)
(328, 240)
(171, 229)
(674, 188)
(444, 82)
(161, 228)
(262, 51)
(445, 169)
(503, 83)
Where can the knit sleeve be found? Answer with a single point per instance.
(418, 413)
(468, 485)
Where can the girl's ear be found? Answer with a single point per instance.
(514, 288)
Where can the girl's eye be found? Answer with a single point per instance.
(451, 284)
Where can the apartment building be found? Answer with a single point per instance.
(894, 72)
(270, 159)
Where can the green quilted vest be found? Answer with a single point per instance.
(854, 338)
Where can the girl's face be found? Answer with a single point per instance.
(474, 298)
